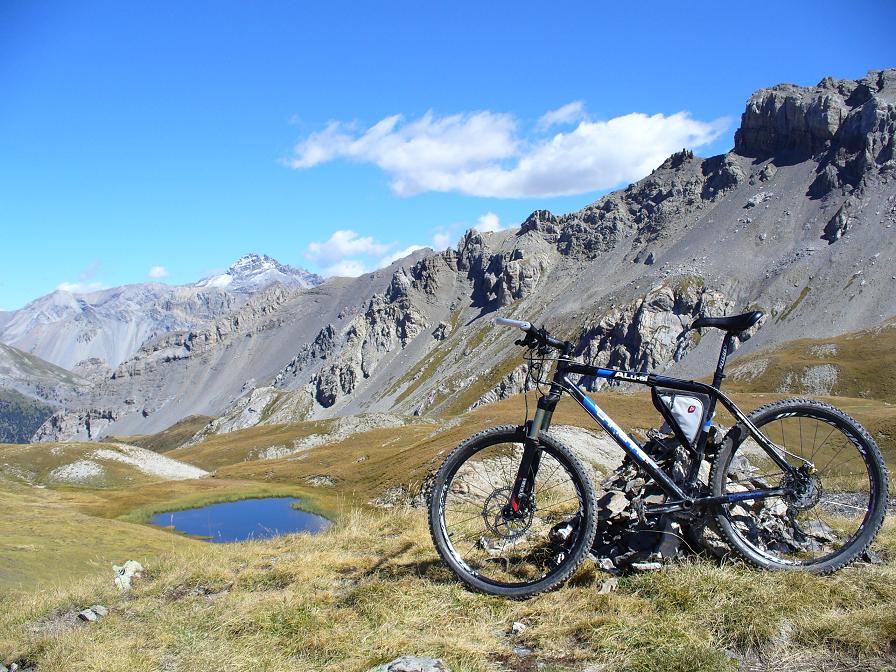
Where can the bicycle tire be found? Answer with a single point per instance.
(866, 447)
(575, 555)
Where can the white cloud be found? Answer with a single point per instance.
(345, 243)
(349, 268)
(345, 253)
(568, 114)
(442, 240)
(488, 223)
(158, 272)
(483, 154)
(395, 256)
(80, 287)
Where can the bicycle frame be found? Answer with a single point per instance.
(680, 498)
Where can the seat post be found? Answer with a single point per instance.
(723, 356)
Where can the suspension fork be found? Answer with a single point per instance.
(521, 495)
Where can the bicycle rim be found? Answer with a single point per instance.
(497, 546)
(826, 512)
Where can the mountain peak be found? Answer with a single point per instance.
(253, 271)
(253, 260)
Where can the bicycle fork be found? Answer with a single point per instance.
(521, 494)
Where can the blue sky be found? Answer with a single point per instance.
(177, 136)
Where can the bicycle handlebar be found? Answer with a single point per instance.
(522, 324)
(535, 336)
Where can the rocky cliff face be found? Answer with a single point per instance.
(797, 220)
(652, 332)
(848, 127)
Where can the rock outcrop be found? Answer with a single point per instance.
(68, 425)
(653, 332)
(850, 126)
(643, 212)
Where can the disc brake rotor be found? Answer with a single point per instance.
(498, 523)
(805, 492)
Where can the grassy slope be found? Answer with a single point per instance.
(866, 363)
(34, 464)
(372, 589)
(45, 541)
(50, 535)
(173, 437)
(223, 449)
(366, 464)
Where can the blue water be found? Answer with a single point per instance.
(242, 520)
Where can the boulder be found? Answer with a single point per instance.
(412, 664)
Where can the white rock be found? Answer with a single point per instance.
(124, 573)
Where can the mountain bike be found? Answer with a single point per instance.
(796, 484)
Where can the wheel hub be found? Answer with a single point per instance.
(501, 520)
(805, 490)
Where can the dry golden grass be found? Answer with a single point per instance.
(169, 439)
(222, 449)
(372, 589)
(34, 463)
(46, 541)
(865, 362)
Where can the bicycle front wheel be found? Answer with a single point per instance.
(830, 517)
(494, 549)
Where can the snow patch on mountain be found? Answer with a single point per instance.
(255, 271)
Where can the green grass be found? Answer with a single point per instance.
(46, 541)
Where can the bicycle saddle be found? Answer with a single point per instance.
(732, 323)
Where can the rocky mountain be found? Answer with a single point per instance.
(253, 272)
(33, 377)
(798, 219)
(31, 390)
(110, 325)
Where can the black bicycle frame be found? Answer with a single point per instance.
(679, 498)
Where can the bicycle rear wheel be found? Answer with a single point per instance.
(489, 547)
(830, 518)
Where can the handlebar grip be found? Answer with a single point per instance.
(522, 324)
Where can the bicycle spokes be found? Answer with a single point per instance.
(500, 542)
(823, 509)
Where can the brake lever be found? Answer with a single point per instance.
(528, 342)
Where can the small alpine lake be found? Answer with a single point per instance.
(243, 520)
